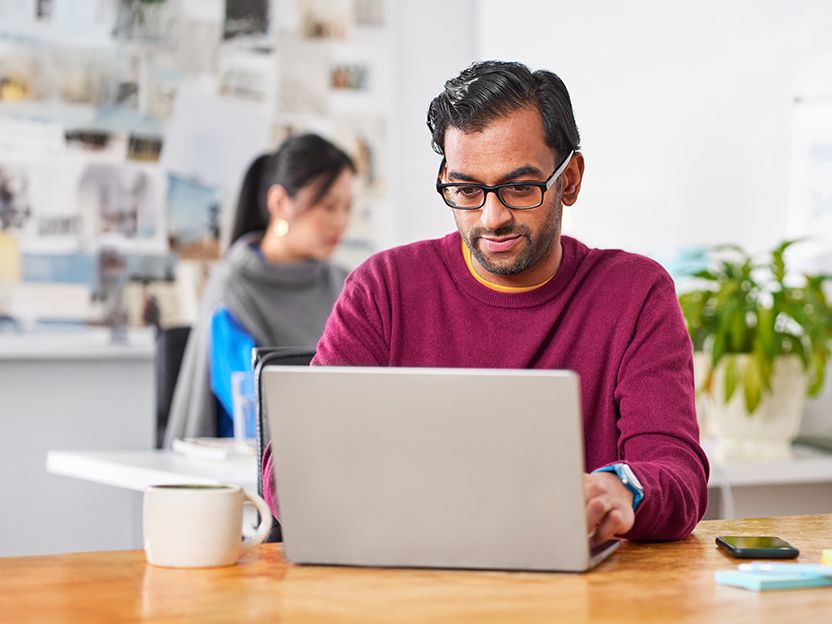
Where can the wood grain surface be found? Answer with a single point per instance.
(641, 583)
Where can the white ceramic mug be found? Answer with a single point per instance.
(199, 526)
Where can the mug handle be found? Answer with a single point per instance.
(262, 530)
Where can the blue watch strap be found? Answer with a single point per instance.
(621, 471)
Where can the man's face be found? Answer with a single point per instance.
(516, 247)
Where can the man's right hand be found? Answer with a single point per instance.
(609, 507)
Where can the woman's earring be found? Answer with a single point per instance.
(281, 228)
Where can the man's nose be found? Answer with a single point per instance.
(494, 214)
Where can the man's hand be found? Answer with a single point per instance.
(609, 506)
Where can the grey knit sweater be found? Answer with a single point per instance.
(278, 304)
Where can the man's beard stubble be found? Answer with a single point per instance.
(535, 250)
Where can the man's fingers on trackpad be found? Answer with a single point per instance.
(596, 509)
(609, 527)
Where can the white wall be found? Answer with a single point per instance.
(684, 109)
(434, 41)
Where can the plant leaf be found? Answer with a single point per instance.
(818, 374)
(706, 275)
(765, 332)
(732, 377)
(731, 247)
(752, 385)
(766, 369)
(793, 345)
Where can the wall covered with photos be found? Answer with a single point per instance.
(126, 125)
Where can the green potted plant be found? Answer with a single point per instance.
(761, 341)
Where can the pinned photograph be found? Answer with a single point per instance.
(10, 261)
(151, 303)
(246, 18)
(357, 77)
(71, 268)
(122, 206)
(193, 219)
(163, 80)
(248, 75)
(19, 74)
(125, 80)
(54, 225)
(363, 138)
(150, 267)
(144, 148)
(145, 20)
(43, 10)
(349, 76)
(197, 44)
(325, 19)
(15, 202)
(212, 139)
(369, 12)
(99, 144)
(86, 77)
(303, 88)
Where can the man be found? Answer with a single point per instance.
(507, 290)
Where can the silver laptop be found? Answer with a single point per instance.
(420, 467)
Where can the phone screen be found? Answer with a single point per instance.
(755, 541)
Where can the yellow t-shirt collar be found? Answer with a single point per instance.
(466, 253)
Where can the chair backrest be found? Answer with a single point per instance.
(261, 357)
(170, 348)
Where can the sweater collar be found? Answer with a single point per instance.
(247, 259)
(573, 253)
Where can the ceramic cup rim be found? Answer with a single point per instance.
(194, 488)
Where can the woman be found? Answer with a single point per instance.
(275, 286)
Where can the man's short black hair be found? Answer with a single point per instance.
(491, 89)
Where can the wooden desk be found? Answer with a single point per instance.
(640, 583)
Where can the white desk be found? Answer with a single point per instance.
(132, 471)
(136, 470)
(802, 484)
(799, 485)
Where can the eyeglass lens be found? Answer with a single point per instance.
(513, 195)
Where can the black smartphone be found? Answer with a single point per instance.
(757, 547)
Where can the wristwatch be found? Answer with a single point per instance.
(628, 479)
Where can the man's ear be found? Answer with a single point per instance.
(571, 180)
(278, 202)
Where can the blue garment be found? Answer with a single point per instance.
(231, 347)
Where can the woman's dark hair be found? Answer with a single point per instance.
(300, 161)
(491, 89)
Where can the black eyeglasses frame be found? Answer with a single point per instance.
(543, 186)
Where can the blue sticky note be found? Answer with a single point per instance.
(763, 581)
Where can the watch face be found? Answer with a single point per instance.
(631, 476)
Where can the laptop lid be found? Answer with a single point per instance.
(456, 468)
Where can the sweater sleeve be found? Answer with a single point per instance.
(269, 486)
(354, 333)
(659, 434)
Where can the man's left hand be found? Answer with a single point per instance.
(609, 506)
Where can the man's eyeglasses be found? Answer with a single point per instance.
(518, 195)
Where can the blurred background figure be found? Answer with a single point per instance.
(276, 286)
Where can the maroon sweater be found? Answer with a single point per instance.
(609, 315)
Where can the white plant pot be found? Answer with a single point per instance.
(766, 434)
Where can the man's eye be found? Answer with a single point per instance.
(468, 191)
(521, 189)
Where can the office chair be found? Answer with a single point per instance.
(261, 357)
(170, 348)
